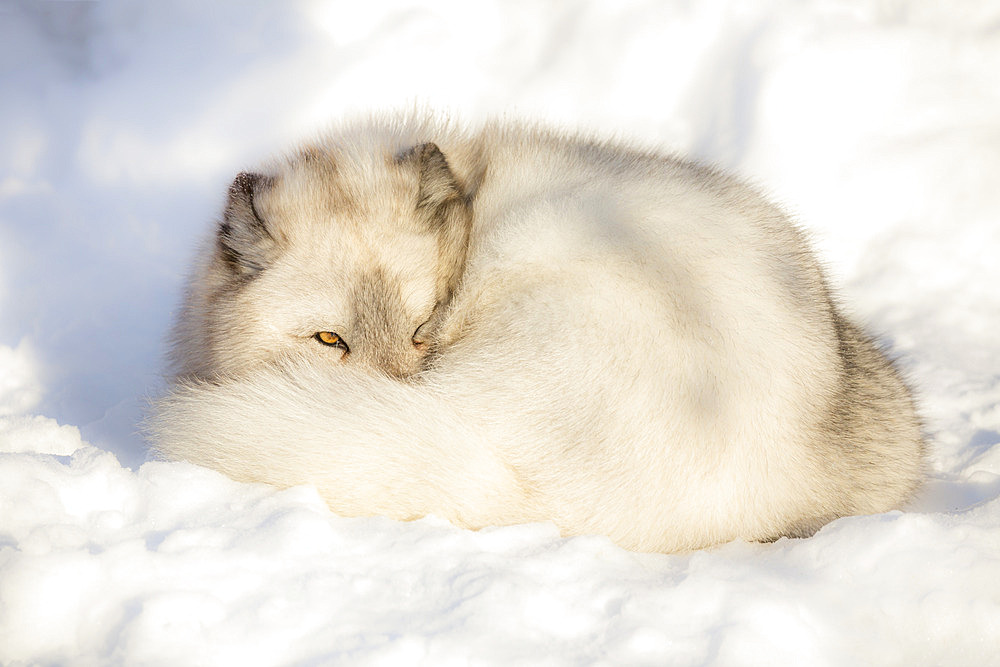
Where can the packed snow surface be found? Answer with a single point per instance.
(875, 122)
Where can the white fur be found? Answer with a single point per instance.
(639, 347)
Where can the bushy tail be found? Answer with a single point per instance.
(875, 426)
(372, 445)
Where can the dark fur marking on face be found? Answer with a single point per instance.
(382, 327)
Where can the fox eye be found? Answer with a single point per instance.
(420, 337)
(331, 339)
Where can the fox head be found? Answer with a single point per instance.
(348, 258)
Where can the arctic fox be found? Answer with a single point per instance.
(511, 324)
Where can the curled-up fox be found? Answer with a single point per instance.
(508, 324)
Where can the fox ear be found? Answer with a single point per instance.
(438, 185)
(244, 240)
(441, 201)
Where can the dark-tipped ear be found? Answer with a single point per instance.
(441, 201)
(245, 242)
(438, 185)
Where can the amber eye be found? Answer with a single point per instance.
(331, 339)
(419, 337)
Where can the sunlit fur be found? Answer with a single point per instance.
(632, 345)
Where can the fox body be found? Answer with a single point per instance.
(510, 324)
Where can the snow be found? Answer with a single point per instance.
(876, 122)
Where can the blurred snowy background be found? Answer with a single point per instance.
(875, 122)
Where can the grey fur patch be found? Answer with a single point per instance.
(244, 241)
(438, 185)
(382, 326)
(445, 208)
